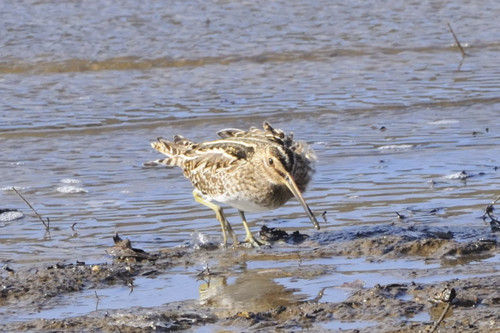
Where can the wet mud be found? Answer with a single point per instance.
(232, 298)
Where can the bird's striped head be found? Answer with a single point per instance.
(279, 162)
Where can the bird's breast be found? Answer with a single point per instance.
(255, 199)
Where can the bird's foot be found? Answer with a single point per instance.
(235, 238)
(226, 245)
(254, 242)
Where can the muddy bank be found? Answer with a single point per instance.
(235, 294)
(383, 307)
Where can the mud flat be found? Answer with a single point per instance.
(420, 275)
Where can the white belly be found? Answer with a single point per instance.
(242, 204)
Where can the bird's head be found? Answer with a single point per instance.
(279, 163)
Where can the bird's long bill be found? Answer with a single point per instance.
(290, 183)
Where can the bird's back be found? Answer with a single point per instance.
(304, 157)
(222, 166)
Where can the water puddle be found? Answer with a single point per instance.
(422, 316)
(347, 325)
(346, 275)
(214, 328)
(249, 292)
(146, 292)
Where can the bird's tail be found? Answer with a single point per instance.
(175, 150)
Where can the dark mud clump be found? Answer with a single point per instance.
(275, 234)
(123, 250)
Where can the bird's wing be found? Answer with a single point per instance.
(219, 154)
(266, 133)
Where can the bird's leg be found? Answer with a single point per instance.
(230, 229)
(219, 214)
(249, 238)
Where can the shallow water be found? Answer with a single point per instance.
(380, 92)
(145, 292)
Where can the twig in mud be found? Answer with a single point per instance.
(205, 271)
(323, 215)
(45, 223)
(8, 269)
(319, 296)
(131, 285)
(488, 214)
(456, 41)
(97, 300)
(440, 318)
(400, 216)
(447, 295)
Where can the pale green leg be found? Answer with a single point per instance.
(249, 238)
(219, 214)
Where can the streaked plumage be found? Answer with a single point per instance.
(252, 171)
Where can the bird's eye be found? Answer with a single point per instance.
(271, 161)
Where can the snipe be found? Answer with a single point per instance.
(252, 171)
